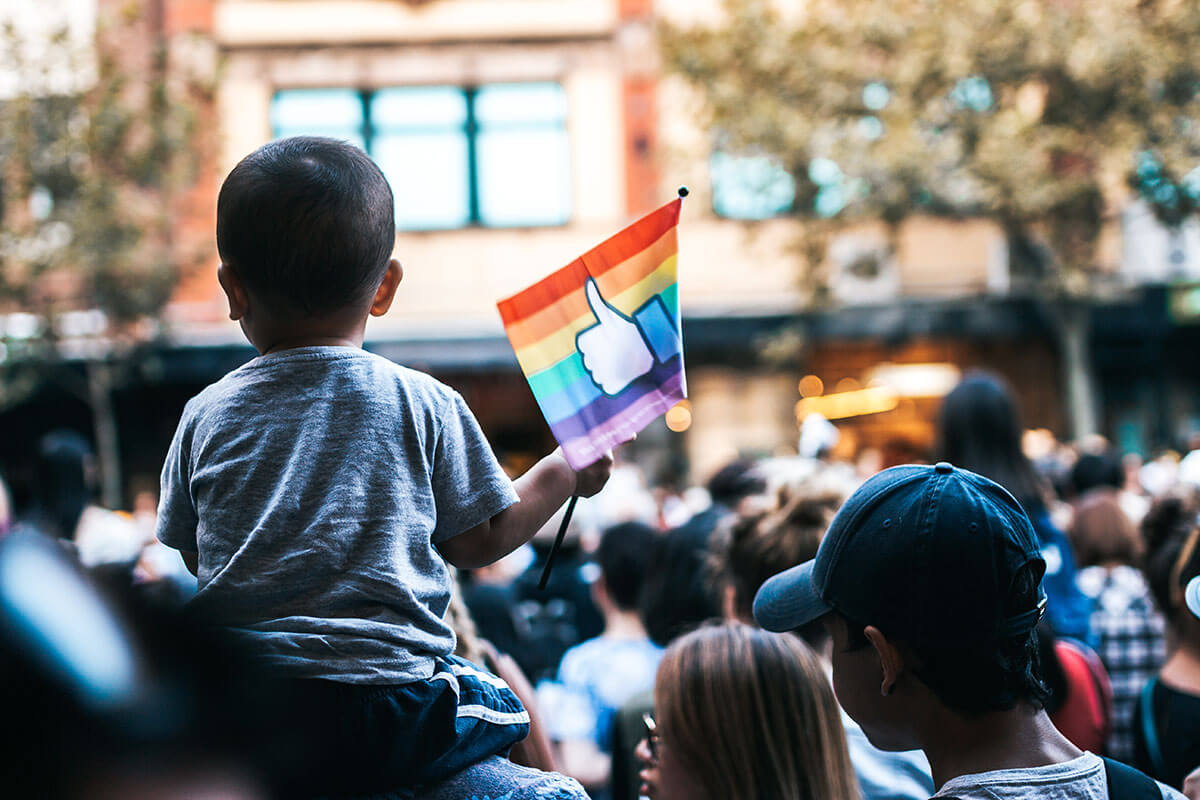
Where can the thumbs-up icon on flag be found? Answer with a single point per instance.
(613, 350)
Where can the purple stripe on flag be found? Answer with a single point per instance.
(604, 408)
(584, 450)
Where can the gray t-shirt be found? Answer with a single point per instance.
(314, 484)
(1082, 778)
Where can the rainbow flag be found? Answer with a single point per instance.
(599, 340)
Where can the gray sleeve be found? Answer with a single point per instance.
(176, 523)
(468, 484)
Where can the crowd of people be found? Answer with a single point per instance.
(1116, 647)
(646, 629)
(337, 594)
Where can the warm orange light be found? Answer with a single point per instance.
(916, 380)
(811, 386)
(847, 385)
(840, 405)
(679, 417)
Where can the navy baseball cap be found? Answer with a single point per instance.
(924, 553)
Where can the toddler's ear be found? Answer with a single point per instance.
(386, 292)
(235, 291)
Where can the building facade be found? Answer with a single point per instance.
(516, 134)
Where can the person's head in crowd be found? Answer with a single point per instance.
(734, 482)
(623, 557)
(1101, 532)
(1099, 470)
(1172, 537)
(929, 579)
(979, 429)
(305, 232)
(743, 714)
(675, 595)
(64, 483)
(761, 543)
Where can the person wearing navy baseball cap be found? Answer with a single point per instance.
(929, 580)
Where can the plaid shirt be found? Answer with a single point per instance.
(1131, 641)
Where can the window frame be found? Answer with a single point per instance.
(369, 131)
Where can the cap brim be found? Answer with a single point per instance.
(789, 600)
(1191, 595)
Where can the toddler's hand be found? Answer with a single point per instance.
(591, 479)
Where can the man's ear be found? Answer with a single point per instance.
(891, 661)
(386, 292)
(235, 291)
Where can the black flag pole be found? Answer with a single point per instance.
(562, 531)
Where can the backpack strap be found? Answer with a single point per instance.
(1126, 783)
(1150, 727)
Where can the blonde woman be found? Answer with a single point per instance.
(743, 714)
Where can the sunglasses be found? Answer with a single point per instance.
(651, 735)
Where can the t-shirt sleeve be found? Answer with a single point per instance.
(468, 484)
(176, 522)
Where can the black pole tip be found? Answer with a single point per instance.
(683, 191)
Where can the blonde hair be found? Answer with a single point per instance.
(467, 643)
(752, 715)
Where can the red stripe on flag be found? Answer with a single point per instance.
(597, 261)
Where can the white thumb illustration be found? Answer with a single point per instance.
(614, 352)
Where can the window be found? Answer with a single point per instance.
(495, 156)
(320, 112)
(750, 187)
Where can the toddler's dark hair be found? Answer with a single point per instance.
(307, 223)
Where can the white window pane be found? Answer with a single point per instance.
(419, 107)
(518, 103)
(524, 178)
(750, 187)
(428, 175)
(318, 112)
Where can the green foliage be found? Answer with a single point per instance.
(92, 167)
(1032, 113)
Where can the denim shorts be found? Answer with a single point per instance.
(352, 739)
